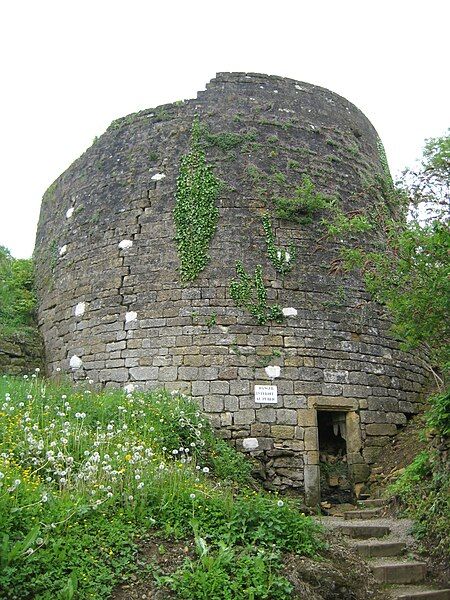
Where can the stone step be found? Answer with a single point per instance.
(373, 549)
(372, 502)
(364, 532)
(362, 514)
(389, 571)
(403, 592)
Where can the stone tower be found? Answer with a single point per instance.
(116, 308)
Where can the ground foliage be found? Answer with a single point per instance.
(85, 474)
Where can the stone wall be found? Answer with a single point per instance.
(336, 353)
(21, 353)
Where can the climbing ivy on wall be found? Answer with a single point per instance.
(195, 212)
(250, 293)
(281, 259)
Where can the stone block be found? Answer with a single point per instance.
(282, 432)
(266, 414)
(144, 373)
(296, 401)
(244, 417)
(213, 404)
(307, 417)
(286, 416)
(167, 374)
(240, 388)
(200, 388)
(260, 429)
(381, 429)
(231, 403)
(311, 438)
(220, 387)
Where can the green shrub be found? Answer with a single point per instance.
(302, 207)
(228, 574)
(17, 297)
(438, 416)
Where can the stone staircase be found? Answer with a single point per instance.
(383, 543)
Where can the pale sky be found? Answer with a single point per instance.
(70, 67)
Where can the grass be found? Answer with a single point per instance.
(84, 474)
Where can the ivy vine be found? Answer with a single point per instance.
(195, 213)
(281, 258)
(250, 293)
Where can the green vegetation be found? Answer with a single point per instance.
(17, 297)
(250, 293)
(281, 259)
(303, 206)
(195, 213)
(225, 140)
(226, 574)
(84, 475)
(423, 489)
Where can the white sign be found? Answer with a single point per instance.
(266, 394)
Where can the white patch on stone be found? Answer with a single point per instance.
(75, 362)
(290, 312)
(300, 88)
(286, 110)
(125, 244)
(273, 371)
(130, 316)
(250, 443)
(129, 388)
(63, 250)
(80, 309)
(158, 176)
(275, 91)
(69, 213)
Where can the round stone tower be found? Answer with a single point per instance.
(228, 291)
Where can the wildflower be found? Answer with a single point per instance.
(192, 496)
(280, 503)
(37, 370)
(205, 470)
(140, 485)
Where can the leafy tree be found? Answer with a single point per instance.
(410, 271)
(17, 297)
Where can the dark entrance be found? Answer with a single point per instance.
(335, 482)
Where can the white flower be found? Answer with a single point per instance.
(287, 256)
(1, 475)
(69, 213)
(290, 312)
(280, 503)
(75, 362)
(129, 388)
(273, 371)
(130, 316)
(16, 482)
(125, 244)
(191, 496)
(37, 370)
(80, 309)
(205, 470)
(63, 250)
(158, 176)
(140, 485)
